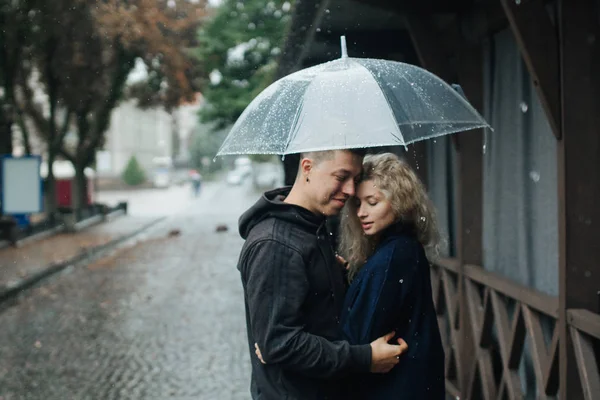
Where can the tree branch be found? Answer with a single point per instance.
(24, 132)
(32, 111)
(124, 65)
(64, 129)
(70, 157)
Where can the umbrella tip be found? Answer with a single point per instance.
(343, 45)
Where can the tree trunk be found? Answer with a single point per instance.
(6, 144)
(79, 188)
(24, 133)
(5, 137)
(175, 141)
(50, 186)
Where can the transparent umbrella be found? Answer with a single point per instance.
(350, 103)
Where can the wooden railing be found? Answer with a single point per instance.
(505, 324)
(584, 327)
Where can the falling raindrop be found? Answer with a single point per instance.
(401, 281)
(524, 107)
(535, 176)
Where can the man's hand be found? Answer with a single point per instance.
(258, 353)
(342, 262)
(385, 356)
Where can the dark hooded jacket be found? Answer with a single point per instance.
(293, 292)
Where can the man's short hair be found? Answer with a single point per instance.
(319, 156)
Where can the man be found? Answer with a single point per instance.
(294, 289)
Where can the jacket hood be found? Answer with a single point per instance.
(271, 205)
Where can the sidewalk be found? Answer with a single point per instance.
(24, 266)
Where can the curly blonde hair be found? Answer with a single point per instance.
(410, 203)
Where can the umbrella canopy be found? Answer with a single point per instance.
(350, 103)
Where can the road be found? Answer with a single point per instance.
(160, 318)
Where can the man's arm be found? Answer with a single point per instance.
(276, 288)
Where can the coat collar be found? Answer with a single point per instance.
(397, 229)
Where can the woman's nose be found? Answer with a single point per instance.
(361, 213)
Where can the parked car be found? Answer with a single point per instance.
(235, 177)
(268, 176)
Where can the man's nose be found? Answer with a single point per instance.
(348, 189)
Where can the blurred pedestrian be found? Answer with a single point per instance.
(196, 179)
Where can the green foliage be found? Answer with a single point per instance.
(241, 43)
(134, 173)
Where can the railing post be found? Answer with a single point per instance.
(578, 175)
(469, 201)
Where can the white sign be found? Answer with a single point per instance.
(103, 161)
(21, 185)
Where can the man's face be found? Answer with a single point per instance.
(333, 182)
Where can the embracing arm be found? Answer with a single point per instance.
(276, 288)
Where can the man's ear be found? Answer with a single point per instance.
(306, 165)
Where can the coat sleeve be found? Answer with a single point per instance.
(276, 289)
(381, 292)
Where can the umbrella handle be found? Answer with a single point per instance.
(459, 89)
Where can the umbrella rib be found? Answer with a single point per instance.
(443, 122)
(399, 139)
(447, 133)
(293, 129)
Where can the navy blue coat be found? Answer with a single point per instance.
(392, 292)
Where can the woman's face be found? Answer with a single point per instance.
(374, 210)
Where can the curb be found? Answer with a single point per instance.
(12, 291)
(33, 238)
(86, 223)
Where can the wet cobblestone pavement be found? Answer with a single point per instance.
(161, 318)
(21, 262)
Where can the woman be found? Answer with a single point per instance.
(389, 236)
